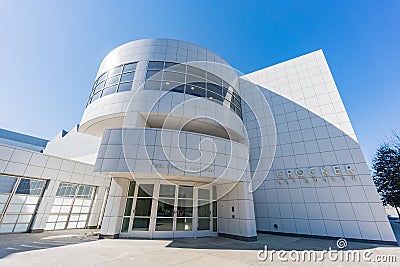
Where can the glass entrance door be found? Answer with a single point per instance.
(166, 212)
(174, 212)
(141, 203)
(184, 216)
(163, 210)
(203, 213)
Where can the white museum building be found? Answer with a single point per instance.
(175, 143)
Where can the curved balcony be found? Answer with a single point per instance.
(141, 152)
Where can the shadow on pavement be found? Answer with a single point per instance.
(22, 242)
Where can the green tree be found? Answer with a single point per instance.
(386, 165)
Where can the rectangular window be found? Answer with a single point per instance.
(175, 67)
(141, 224)
(109, 90)
(214, 79)
(214, 88)
(174, 77)
(85, 191)
(131, 190)
(96, 96)
(155, 65)
(154, 75)
(203, 224)
(7, 183)
(114, 71)
(185, 191)
(194, 79)
(130, 67)
(145, 190)
(127, 77)
(166, 85)
(112, 80)
(179, 89)
(123, 87)
(214, 97)
(196, 91)
(66, 190)
(197, 72)
(30, 187)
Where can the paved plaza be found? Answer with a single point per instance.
(83, 248)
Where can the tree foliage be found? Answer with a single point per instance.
(386, 165)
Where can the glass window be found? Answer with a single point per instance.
(30, 186)
(203, 224)
(185, 191)
(196, 91)
(154, 75)
(164, 224)
(127, 77)
(125, 225)
(214, 192)
(109, 90)
(66, 190)
(214, 88)
(99, 87)
(197, 72)
(236, 102)
(141, 224)
(166, 85)
(102, 77)
(228, 96)
(214, 97)
(128, 207)
(85, 191)
(214, 206)
(170, 64)
(114, 71)
(167, 190)
(214, 79)
(143, 206)
(185, 207)
(145, 190)
(155, 65)
(194, 79)
(130, 67)
(123, 87)
(131, 190)
(165, 208)
(112, 80)
(232, 107)
(204, 209)
(204, 193)
(184, 224)
(7, 183)
(179, 89)
(175, 67)
(96, 96)
(174, 77)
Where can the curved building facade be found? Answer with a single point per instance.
(171, 121)
(174, 142)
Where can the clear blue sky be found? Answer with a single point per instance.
(50, 51)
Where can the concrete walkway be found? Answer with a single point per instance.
(82, 248)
